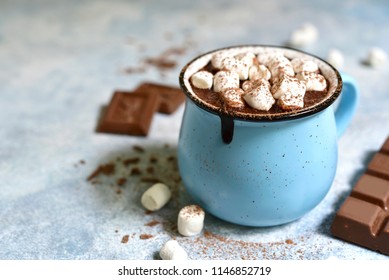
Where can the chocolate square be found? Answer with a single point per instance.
(171, 97)
(363, 218)
(379, 166)
(129, 113)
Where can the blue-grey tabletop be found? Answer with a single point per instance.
(61, 61)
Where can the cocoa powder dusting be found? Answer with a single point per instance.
(152, 223)
(129, 161)
(106, 169)
(215, 246)
(145, 236)
(121, 181)
(125, 238)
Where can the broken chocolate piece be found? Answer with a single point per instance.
(130, 113)
(171, 97)
(363, 218)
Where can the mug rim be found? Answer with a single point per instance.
(283, 116)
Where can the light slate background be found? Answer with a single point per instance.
(60, 62)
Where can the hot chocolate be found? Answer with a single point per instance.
(259, 81)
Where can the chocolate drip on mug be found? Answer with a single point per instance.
(227, 128)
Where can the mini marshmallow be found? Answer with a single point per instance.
(264, 58)
(246, 85)
(190, 220)
(301, 64)
(247, 58)
(202, 79)
(171, 250)
(335, 58)
(313, 81)
(283, 85)
(280, 65)
(293, 98)
(155, 197)
(376, 57)
(259, 96)
(233, 97)
(217, 59)
(223, 80)
(304, 35)
(237, 66)
(259, 72)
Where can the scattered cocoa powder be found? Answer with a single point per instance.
(121, 181)
(106, 169)
(133, 70)
(152, 223)
(138, 148)
(145, 236)
(150, 180)
(125, 238)
(171, 158)
(135, 171)
(153, 159)
(162, 63)
(215, 246)
(129, 161)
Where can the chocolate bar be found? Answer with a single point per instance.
(130, 113)
(171, 97)
(363, 219)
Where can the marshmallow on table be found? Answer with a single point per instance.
(259, 72)
(304, 35)
(232, 97)
(259, 96)
(223, 80)
(313, 81)
(190, 220)
(202, 79)
(335, 58)
(171, 250)
(301, 64)
(238, 66)
(376, 57)
(293, 98)
(156, 197)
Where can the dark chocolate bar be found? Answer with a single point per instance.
(171, 97)
(129, 113)
(363, 219)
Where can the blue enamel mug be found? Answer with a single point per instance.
(262, 170)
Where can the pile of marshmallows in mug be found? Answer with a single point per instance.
(304, 35)
(266, 77)
(190, 220)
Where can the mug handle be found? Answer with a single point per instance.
(347, 105)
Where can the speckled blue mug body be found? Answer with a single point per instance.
(272, 171)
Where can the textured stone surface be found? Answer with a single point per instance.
(60, 63)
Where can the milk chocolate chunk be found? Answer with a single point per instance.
(129, 113)
(171, 97)
(379, 166)
(385, 147)
(363, 218)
